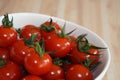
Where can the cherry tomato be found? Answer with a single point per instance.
(7, 33)
(19, 50)
(78, 72)
(37, 65)
(31, 77)
(28, 30)
(7, 36)
(10, 71)
(60, 45)
(4, 54)
(55, 73)
(82, 50)
(73, 42)
(78, 56)
(48, 29)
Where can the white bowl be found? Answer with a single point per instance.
(22, 19)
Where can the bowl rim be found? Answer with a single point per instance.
(108, 50)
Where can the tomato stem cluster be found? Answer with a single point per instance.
(65, 51)
(48, 28)
(62, 32)
(30, 42)
(40, 49)
(83, 44)
(6, 22)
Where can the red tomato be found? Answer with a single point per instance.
(19, 50)
(37, 65)
(78, 72)
(66, 66)
(60, 45)
(4, 54)
(82, 50)
(73, 38)
(73, 42)
(78, 56)
(55, 73)
(7, 36)
(10, 71)
(31, 77)
(7, 33)
(48, 32)
(60, 79)
(28, 30)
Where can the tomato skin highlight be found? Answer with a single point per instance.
(46, 34)
(19, 50)
(36, 65)
(10, 71)
(78, 56)
(31, 77)
(55, 73)
(61, 46)
(53, 24)
(78, 72)
(7, 36)
(23, 57)
(4, 54)
(28, 30)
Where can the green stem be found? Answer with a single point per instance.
(6, 22)
(83, 44)
(30, 42)
(62, 32)
(39, 49)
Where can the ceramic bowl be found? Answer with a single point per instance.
(22, 19)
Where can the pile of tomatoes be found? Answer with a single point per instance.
(45, 53)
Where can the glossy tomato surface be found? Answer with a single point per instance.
(28, 30)
(46, 33)
(4, 54)
(31, 77)
(37, 65)
(10, 71)
(19, 50)
(78, 72)
(78, 56)
(7, 36)
(59, 46)
(55, 73)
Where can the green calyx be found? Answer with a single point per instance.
(40, 49)
(30, 42)
(18, 31)
(2, 62)
(61, 61)
(58, 61)
(83, 44)
(48, 28)
(62, 32)
(6, 22)
(88, 63)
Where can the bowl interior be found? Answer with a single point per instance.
(22, 19)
